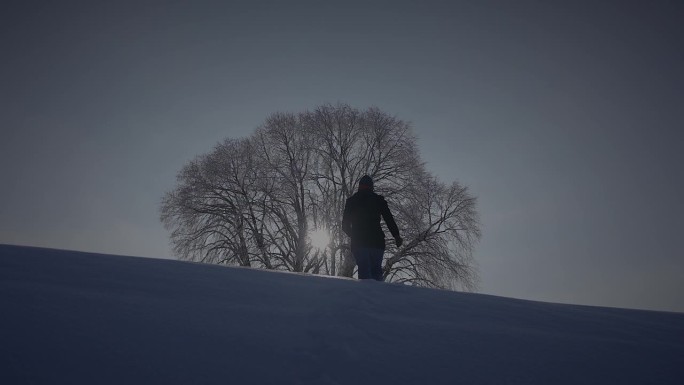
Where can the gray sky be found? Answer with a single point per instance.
(564, 118)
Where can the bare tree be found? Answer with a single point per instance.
(351, 144)
(441, 227)
(256, 201)
(207, 212)
(286, 150)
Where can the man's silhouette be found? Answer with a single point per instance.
(361, 221)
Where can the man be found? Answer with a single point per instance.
(361, 221)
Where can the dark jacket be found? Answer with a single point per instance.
(361, 220)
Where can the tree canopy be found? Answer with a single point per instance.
(274, 200)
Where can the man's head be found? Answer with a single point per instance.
(366, 183)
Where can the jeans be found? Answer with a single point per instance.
(369, 262)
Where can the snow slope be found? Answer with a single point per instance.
(77, 318)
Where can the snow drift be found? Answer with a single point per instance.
(79, 318)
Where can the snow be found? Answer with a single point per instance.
(80, 318)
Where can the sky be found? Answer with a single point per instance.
(564, 118)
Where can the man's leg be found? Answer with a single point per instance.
(376, 263)
(363, 262)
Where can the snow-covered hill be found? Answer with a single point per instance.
(78, 318)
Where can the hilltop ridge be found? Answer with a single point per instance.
(82, 318)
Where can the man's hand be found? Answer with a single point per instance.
(398, 241)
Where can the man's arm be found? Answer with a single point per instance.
(389, 220)
(346, 219)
